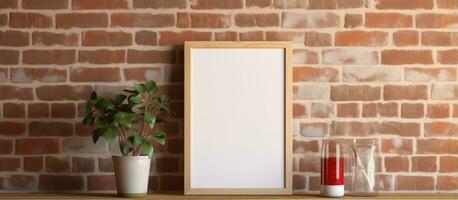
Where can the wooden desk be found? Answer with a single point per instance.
(182, 197)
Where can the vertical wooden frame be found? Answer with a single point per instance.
(287, 190)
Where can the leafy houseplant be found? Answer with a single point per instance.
(130, 118)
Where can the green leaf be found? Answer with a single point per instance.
(88, 120)
(110, 134)
(139, 87)
(100, 123)
(118, 99)
(147, 148)
(159, 136)
(135, 100)
(135, 139)
(87, 110)
(125, 119)
(125, 149)
(149, 119)
(150, 85)
(102, 104)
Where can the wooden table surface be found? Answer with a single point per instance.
(182, 197)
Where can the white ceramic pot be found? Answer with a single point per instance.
(132, 174)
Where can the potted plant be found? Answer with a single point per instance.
(129, 118)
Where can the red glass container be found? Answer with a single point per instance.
(332, 167)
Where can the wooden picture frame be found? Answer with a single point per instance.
(208, 58)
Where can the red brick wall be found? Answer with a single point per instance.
(381, 68)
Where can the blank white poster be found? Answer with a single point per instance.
(237, 133)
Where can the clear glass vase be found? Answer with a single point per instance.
(364, 181)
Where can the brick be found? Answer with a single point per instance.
(13, 110)
(440, 129)
(3, 20)
(355, 93)
(370, 110)
(14, 38)
(9, 4)
(104, 38)
(226, 36)
(167, 164)
(296, 37)
(146, 38)
(438, 110)
(404, 5)
(60, 182)
(343, 4)
(143, 74)
(99, 4)
(310, 20)
(397, 164)
(159, 3)
(316, 39)
(304, 56)
(405, 92)
(371, 74)
(82, 165)
(19, 182)
(178, 38)
(447, 56)
(447, 4)
(436, 20)
(448, 164)
(33, 163)
(315, 74)
(41, 38)
(356, 128)
(150, 56)
(434, 38)
(36, 146)
(101, 56)
(258, 3)
(306, 92)
(6, 146)
(175, 146)
(388, 109)
(105, 165)
(447, 183)
(45, 4)
(414, 182)
(437, 146)
(10, 128)
(251, 36)
(38, 110)
(290, 4)
(349, 57)
(322, 4)
(388, 20)
(430, 74)
(83, 130)
(12, 92)
(348, 110)
(402, 57)
(50, 129)
(9, 57)
(30, 20)
(144, 20)
(171, 182)
(57, 164)
(314, 129)
(81, 20)
(101, 182)
(444, 91)
(455, 110)
(63, 110)
(257, 20)
(299, 182)
(29, 75)
(321, 110)
(300, 146)
(10, 164)
(83, 145)
(424, 164)
(353, 20)
(412, 110)
(4, 74)
(203, 20)
(99, 74)
(309, 164)
(314, 183)
(58, 57)
(216, 4)
(397, 146)
(399, 128)
(361, 38)
(406, 38)
(63, 92)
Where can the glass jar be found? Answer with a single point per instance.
(364, 181)
(332, 167)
